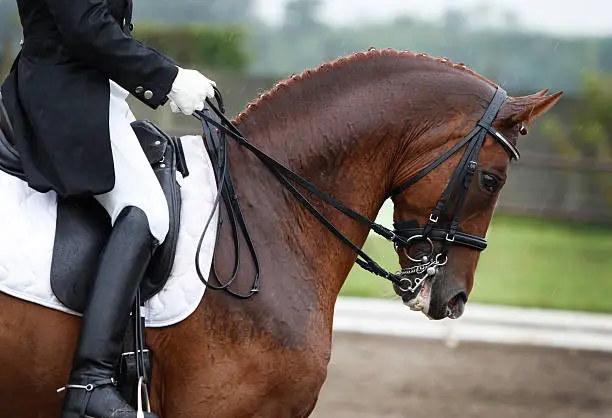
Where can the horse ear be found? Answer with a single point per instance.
(528, 108)
(541, 93)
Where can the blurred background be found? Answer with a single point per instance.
(550, 240)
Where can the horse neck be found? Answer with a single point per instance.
(348, 133)
(345, 151)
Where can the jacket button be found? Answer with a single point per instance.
(148, 94)
(139, 90)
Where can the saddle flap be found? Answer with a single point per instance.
(161, 264)
(83, 228)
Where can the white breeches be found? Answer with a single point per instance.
(135, 183)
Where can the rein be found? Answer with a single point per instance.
(406, 232)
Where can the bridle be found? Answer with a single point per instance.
(453, 197)
(217, 127)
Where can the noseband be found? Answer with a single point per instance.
(406, 233)
(453, 197)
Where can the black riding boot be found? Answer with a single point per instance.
(91, 390)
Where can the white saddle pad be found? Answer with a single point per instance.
(28, 233)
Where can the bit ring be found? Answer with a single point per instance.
(416, 237)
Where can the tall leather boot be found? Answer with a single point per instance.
(91, 390)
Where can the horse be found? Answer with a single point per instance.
(358, 128)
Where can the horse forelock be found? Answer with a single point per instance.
(371, 55)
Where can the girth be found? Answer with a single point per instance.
(453, 198)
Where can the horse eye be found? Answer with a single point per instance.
(523, 129)
(489, 182)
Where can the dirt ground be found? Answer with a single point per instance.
(384, 377)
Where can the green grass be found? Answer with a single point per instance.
(529, 262)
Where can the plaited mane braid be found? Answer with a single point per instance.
(370, 54)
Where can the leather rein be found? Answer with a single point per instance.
(405, 233)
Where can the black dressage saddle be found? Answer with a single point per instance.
(83, 226)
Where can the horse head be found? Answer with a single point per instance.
(453, 191)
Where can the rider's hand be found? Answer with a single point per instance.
(189, 91)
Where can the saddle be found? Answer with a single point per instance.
(83, 226)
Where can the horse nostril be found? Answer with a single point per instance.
(460, 297)
(463, 297)
(456, 306)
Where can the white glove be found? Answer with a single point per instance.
(189, 90)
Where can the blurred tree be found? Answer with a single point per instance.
(8, 29)
(201, 46)
(504, 52)
(209, 11)
(511, 20)
(587, 132)
(455, 22)
(301, 16)
(6, 11)
(301, 42)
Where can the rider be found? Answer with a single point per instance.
(66, 100)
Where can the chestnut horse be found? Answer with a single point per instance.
(357, 128)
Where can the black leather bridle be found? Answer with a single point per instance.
(453, 197)
(405, 233)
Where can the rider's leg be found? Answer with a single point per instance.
(139, 213)
(135, 182)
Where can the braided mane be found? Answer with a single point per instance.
(370, 54)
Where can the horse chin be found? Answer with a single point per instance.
(434, 307)
(421, 302)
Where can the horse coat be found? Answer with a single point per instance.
(57, 93)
